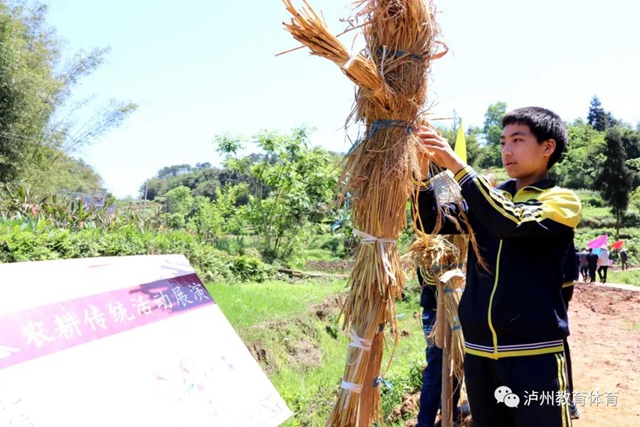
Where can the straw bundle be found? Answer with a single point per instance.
(378, 173)
(443, 258)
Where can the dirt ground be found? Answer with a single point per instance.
(605, 351)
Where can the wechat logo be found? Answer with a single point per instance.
(505, 395)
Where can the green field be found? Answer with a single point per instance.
(293, 330)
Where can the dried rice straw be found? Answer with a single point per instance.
(443, 258)
(378, 173)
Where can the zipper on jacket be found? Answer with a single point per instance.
(493, 292)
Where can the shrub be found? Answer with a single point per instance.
(38, 242)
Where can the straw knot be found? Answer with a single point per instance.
(368, 238)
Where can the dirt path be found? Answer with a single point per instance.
(605, 349)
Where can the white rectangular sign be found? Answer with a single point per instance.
(125, 341)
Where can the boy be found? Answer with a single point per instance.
(512, 313)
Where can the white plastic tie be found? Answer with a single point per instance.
(369, 239)
(356, 388)
(359, 342)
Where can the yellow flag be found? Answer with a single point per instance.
(461, 144)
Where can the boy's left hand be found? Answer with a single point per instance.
(442, 152)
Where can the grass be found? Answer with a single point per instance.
(318, 255)
(248, 304)
(591, 212)
(629, 277)
(275, 317)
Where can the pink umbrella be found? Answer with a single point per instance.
(599, 242)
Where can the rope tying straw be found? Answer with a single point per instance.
(352, 388)
(361, 343)
(383, 124)
(379, 380)
(380, 243)
(356, 388)
(358, 342)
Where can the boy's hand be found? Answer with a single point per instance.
(442, 152)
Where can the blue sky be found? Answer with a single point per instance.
(199, 68)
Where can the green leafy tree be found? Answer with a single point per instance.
(292, 185)
(179, 200)
(231, 204)
(615, 180)
(474, 150)
(583, 158)
(72, 175)
(471, 135)
(490, 156)
(493, 122)
(631, 143)
(202, 180)
(206, 219)
(38, 125)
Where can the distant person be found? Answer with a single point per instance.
(592, 265)
(623, 259)
(603, 261)
(582, 262)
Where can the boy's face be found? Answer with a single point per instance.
(522, 156)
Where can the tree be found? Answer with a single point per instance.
(38, 128)
(598, 118)
(202, 180)
(72, 175)
(615, 180)
(631, 143)
(178, 201)
(489, 155)
(471, 135)
(583, 158)
(474, 150)
(291, 186)
(493, 122)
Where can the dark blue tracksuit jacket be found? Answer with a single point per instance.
(516, 307)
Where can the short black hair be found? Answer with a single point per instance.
(544, 125)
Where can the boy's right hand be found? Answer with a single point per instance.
(439, 149)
